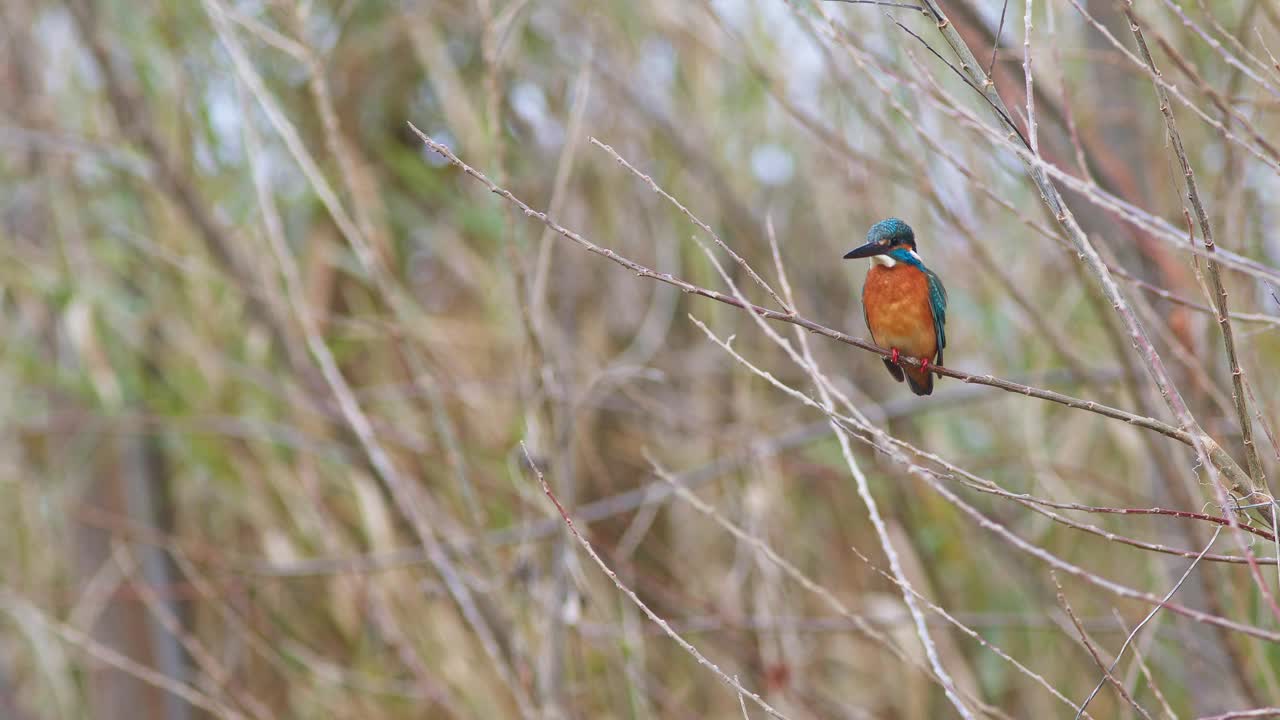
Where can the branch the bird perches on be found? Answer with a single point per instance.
(1216, 454)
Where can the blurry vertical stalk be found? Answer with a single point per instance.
(149, 504)
(136, 484)
(346, 502)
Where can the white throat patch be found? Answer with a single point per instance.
(889, 262)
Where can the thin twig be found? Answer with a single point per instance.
(884, 3)
(1266, 712)
(1030, 80)
(942, 612)
(694, 219)
(995, 47)
(1146, 670)
(666, 627)
(996, 108)
(1150, 615)
(1090, 646)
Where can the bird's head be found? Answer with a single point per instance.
(888, 241)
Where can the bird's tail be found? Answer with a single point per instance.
(921, 381)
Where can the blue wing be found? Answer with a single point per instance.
(938, 305)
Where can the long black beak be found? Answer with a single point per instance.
(866, 251)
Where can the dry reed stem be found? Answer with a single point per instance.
(407, 498)
(28, 614)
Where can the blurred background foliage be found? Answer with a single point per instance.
(192, 525)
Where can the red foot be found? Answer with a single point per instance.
(893, 355)
(924, 364)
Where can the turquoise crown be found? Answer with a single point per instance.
(892, 230)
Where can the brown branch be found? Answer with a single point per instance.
(688, 287)
(1215, 519)
(1219, 295)
(1095, 580)
(1038, 505)
(1179, 300)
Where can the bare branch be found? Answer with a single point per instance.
(1219, 297)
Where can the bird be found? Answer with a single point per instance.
(903, 303)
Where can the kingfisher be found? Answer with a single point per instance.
(903, 303)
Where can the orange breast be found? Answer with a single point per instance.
(896, 302)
